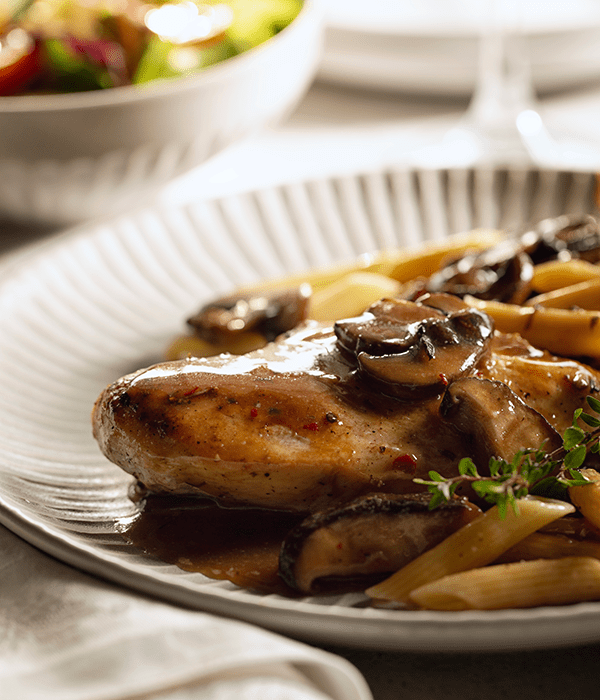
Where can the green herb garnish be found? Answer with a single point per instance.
(531, 471)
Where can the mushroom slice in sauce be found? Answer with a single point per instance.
(413, 349)
(366, 540)
(495, 421)
(564, 237)
(268, 313)
(503, 272)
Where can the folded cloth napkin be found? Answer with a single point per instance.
(65, 635)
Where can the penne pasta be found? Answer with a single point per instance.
(351, 295)
(556, 274)
(477, 544)
(571, 333)
(587, 498)
(541, 545)
(583, 295)
(426, 261)
(517, 585)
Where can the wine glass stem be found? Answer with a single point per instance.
(504, 87)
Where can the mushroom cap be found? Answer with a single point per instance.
(503, 272)
(413, 349)
(269, 313)
(495, 421)
(564, 237)
(366, 540)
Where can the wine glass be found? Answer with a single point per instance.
(503, 125)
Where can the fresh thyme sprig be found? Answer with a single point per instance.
(531, 471)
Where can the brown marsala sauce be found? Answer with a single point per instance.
(240, 545)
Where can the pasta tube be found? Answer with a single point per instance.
(555, 274)
(587, 498)
(351, 295)
(583, 295)
(478, 543)
(541, 545)
(425, 262)
(561, 331)
(524, 584)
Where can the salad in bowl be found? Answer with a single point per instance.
(102, 102)
(50, 46)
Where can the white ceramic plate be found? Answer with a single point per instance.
(430, 46)
(91, 305)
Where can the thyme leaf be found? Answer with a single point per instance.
(531, 471)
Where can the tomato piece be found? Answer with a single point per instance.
(20, 61)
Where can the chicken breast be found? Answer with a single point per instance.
(286, 427)
(293, 426)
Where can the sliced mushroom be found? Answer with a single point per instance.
(502, 272)
(565, 237)
(268, 313)
(495, 421)
(413, 349)
(366, 540)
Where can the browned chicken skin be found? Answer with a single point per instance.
(293, 426)
(287, 427)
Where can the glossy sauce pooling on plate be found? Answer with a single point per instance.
(238, 545)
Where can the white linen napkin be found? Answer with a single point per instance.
(65, 635)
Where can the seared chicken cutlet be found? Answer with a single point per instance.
(325, 414)
(286, 427)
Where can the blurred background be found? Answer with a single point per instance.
(347, 86)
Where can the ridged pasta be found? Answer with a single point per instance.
(572, 333)
(542, 545)
(587, 498)
(477, 544)
(554, 274)
(351, 295)
(518, 585)
(582, 295)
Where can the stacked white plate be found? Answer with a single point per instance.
(431, 46)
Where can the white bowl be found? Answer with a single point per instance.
(70, 157)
